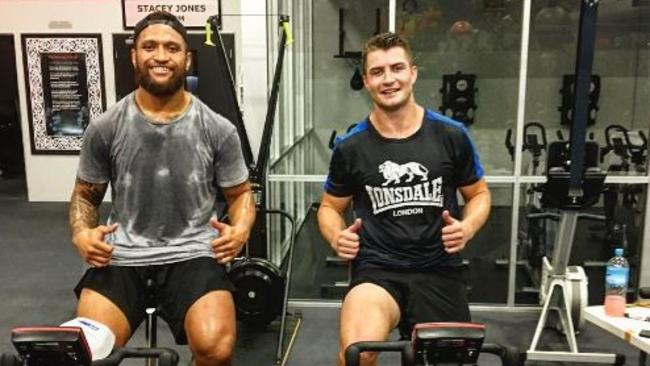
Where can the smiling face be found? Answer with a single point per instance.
(160, 59)
(389, 77)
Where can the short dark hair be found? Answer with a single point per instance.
(385, 41)
(159, 17)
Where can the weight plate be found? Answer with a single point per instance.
(259, 291)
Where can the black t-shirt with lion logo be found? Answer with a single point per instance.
(400, 188)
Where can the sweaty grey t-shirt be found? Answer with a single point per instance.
(164, 178)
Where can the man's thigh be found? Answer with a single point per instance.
(96, 306)
(369, 313)
(114, 296)
(185, 285)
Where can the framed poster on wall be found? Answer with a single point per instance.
(64, 79)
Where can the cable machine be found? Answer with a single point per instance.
(262, 289)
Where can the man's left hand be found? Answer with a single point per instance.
(454, 234)
(230, 241)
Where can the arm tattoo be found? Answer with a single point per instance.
(85, 200)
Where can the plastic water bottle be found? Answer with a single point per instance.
(616, 279)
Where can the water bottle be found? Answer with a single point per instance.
(616, 279)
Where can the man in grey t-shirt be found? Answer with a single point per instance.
(165, 154)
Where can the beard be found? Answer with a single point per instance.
(166, 89)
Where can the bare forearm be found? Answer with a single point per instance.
(241, 210)
(477, 211)
(84, 203)
(330, 222)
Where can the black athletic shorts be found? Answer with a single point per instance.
(436, 295)
(174, 288)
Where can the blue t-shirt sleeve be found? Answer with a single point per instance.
(94, 159)
(467, 168)
(339, 181)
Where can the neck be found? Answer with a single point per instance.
(162, 109)
(399, 123)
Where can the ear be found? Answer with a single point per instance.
(188, 61)
(133, 58)
(414, 70)
(365, 81)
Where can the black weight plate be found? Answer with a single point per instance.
(259, 291)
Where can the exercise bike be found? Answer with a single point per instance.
(438, 343)
(532, 236)
(622, 202)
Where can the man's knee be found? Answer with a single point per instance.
(369, 313)
(215, 350)
(360, 334)
(211, 329)
(368, 358)
(365, 358)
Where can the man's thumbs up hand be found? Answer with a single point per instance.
(229, 242)
(346, 242)
(454, 236)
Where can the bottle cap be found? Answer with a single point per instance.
(618, 252)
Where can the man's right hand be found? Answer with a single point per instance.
(346, 242)
(91, 245)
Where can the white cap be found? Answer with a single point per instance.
(99, 337)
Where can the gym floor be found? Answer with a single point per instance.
(39, 268)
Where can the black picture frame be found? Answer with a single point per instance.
(64, 80)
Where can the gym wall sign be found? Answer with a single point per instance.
(192, 13)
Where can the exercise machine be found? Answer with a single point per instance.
(532, 237)
(438, 343)
(622, 201)
(262, 288)
(627, 146)
(67, 346)
(556, 271)
(563, 290)
(573, 184)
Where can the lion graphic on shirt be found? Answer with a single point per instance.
(394, 172)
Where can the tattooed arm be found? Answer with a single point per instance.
(87, 235)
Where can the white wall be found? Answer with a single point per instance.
(51, 177)
(252, 70)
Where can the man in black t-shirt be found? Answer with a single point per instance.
(401, 168)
